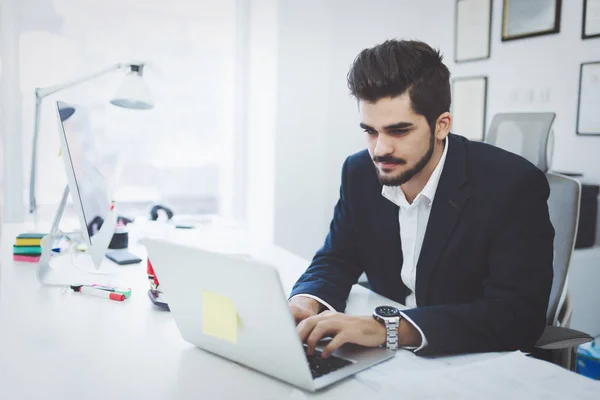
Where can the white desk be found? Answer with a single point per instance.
(56, 344)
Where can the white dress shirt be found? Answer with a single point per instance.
(413, 220)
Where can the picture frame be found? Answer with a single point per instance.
(472, 30)
(588, 99)
(590, 23)
(469, 106)
(530, 18)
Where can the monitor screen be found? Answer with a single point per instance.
(88, 183)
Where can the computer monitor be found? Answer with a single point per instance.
(89, 187)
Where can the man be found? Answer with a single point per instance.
(458, 231)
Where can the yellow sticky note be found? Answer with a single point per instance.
(219, 316)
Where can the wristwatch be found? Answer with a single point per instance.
(390, 317)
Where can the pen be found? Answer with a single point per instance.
(98, 292)
(126, 292)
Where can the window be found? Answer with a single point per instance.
(180, 153)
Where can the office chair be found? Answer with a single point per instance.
(528, 134)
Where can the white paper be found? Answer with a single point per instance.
(468, 108)
(589, 100)
(509, 376)
(529, 16)
(592, 17)
(472, 29)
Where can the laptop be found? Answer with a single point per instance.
(203, 288)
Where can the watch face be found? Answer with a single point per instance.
(387, 311)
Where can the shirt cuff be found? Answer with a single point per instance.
(315, 298)
(423, 338)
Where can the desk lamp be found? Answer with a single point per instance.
(133, 94)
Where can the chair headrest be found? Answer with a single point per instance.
(526, 134)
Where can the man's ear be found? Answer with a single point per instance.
(443, 125)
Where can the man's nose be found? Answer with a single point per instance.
(383, 146)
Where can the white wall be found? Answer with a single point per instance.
(302, 125)
(11, 186)
(317, 121)
(261, 110)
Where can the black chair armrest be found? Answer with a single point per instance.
(556, 337)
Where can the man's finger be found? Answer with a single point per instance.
(335, 344)
(321, 329)
(298, 313)
(306, 326)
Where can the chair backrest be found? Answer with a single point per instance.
(527, 134)
(563, 205)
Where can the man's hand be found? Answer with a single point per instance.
(343, 328)
(304, 307)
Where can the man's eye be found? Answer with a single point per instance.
(370, 131)
(399, 132)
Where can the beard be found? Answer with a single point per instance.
(406, 175)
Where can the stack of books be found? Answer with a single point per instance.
(28, 247)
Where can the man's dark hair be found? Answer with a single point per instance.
(395, 66)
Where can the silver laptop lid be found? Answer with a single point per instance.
(233, 306)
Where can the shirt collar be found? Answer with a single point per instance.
(396, 195)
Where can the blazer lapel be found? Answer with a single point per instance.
(385, 239)
(390, 233)
(450, 198)
(390, 250)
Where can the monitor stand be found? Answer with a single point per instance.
(74, 267)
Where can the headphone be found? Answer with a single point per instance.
(154, 212)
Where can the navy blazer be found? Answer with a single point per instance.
(484, 273)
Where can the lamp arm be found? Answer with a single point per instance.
(40, 93)
(43, 92)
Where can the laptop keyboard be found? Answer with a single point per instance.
(320, 366)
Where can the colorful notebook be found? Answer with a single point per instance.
(24, 258)
(27, 250)
(31, 235)
(28, 242)
(29, 239)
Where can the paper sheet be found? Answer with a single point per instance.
(472, 29)
(530, 16)
(592, 17)
(589, 99)
(219, 316)
(504, 377)
(469, 106)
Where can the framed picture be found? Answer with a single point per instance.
(588, 117)
(472, 30)
(529, 18)
(469, 104)
(591, 19)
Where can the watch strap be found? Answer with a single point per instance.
(391, 327)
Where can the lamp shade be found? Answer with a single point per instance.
(65, 111)
(133, 93)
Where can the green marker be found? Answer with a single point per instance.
(126, 292)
